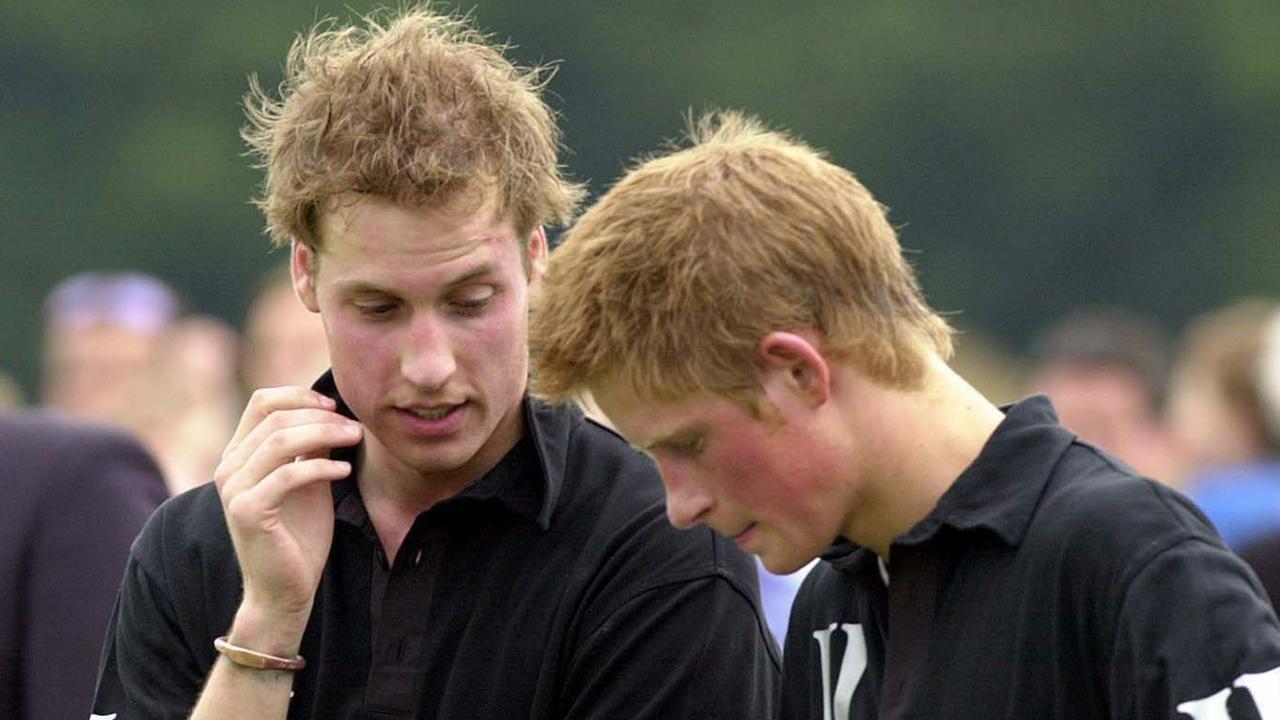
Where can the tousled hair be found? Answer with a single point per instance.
(417, 108)
(671, 280)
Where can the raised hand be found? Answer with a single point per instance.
(274, 481)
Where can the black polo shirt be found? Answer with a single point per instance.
(553, 587)
(1049, 582)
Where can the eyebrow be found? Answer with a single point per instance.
(359, 287)
(672, 438)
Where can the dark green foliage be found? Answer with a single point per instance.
(1036, 155)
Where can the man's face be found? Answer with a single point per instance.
(769, 483)
(92, 370)
(426, 316)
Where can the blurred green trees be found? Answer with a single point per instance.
(1037, 156)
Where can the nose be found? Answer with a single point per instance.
(427, 359)
(687, 503)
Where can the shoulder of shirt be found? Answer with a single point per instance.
(187, 532)
(1100, 516)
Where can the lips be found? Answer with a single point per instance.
(745, 536)
(432, 413)
(432, 421)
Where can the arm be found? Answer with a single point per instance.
(274, 484)
(1195, 629)
(695, 647)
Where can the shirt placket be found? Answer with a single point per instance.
(913, 598)
(401, 605)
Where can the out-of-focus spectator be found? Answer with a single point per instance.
(101, 334)
(75, 497)
(1105, 370)
(10, 393)
(989, 366)
(1218, 414)
(188, 410)
(119, 350)
(284, 342)
(1263, 554)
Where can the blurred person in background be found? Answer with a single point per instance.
(1105, 369)
(102, 332)
(1218, 417)
(994, 370)
(284, 342)
(119, 349)
(11, 397)
(412, 536)
(186, 412)
(1263, 553)
(76, 495)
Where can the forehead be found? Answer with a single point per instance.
(646, 421)
(367, 232)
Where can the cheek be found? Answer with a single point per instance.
(499, 340)
(759, 475)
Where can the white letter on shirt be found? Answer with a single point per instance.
(852, 665)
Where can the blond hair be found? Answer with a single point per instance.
(1226, 346)
(671, 280)
(421, 110)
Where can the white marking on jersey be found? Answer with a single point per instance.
(852, 665)
(1264, 687)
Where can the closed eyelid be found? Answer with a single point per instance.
(682, 445)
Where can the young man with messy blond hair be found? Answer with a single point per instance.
(741, 310)
(412, 537)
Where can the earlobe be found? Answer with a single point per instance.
(302, 266)
(805, 368)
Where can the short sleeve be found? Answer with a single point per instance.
(693, 649)
(1195, 632)
(148, 669)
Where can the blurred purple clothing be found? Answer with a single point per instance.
(75, 496)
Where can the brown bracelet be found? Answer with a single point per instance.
(256, 660)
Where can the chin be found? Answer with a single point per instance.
(784, 564)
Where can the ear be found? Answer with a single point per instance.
(793, 363)
(537, 253)
(302, 266)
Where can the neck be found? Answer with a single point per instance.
(926, 439)
(395, 494)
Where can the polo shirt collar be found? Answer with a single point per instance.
(999, 491)
(543, 447)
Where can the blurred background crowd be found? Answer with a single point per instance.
(1089, 192)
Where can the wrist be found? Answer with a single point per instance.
(254, 660)
(267, 630)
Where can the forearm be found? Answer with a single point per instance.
(237, 691)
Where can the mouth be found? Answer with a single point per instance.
(432, 421)
(745, 535)
(431, 413)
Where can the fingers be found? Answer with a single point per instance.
(283, 437)
(280, 425)
(272, 490)
(265, 401)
